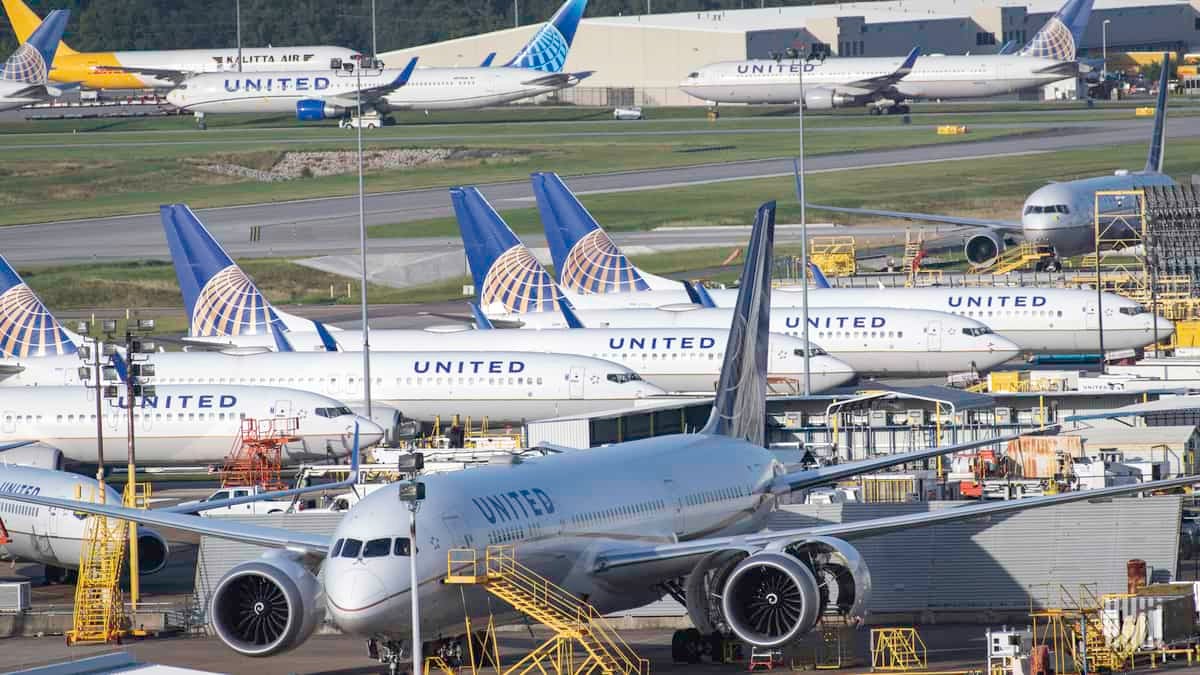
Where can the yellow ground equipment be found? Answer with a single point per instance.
(1073, 630)
(952, 129)
(1018, 257)
(99, 606)
(573, 622)
(897, 650)
(835, 256)
(1144, 111)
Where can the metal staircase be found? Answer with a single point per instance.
(898, 650)
(256, 455)
(571, 620)
(1077, 621)
(99, 606)
(1018, 257)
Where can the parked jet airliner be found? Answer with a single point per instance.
(613, 525)
(514, 287)
(165, 68)
(535, 70)
(1060, 215)
(846, 82)
(24, 78)
(1046, 320)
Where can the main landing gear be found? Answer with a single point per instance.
(690, 646)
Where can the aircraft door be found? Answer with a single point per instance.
(1092, 322)
(674, 506)
(575, 383)
(933, 336)
(282, 409)
(456, 532)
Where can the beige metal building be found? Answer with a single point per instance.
(641, 59)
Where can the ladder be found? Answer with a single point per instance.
(256, 457)
(572, 620)
(1018, 257)
(897, 650)
(99, 606)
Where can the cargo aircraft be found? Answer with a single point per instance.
(24, 78)
(535, 70)
(882, 87)
(1061, 215)
(1037, 320)
(616, 525)
(165, 68)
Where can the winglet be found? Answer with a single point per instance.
(739, 410)
(818, 276)
(120, 366)
(402, 78)
(568, 312)
(327, 339)
(906, 67)
(487, 61)
(699, 295)
(27, 328)
(1007, 48)
(482, 322)
(1154, 159)
(282, 344)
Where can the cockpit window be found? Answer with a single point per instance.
(334, 412)
(377, 548)
(351, 548)
(1050, 208)
(1133, 311)
(337, 548)
(621, 378)
(812, 351)
(401, 547)
(694, 75)
(974, 331)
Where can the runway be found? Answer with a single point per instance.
(330, 225)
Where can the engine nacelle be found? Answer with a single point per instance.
(387, 417)
(266, 606)
(153, 551)
(821, 98)
(311, 110)
(983, 248)
(37, 456)
(770, 598)
(841, 573)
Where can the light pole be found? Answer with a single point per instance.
(136, 351)
(362, 246)
(1104, 48)
(412, 493)
(516, 14)
(803, 227)
(239, 34)
(374, 47)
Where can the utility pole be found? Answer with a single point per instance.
(800, 194)
(239, 34)
(362, 249)
(374, 45)
(94, 371)
(137, 350)
(412, 493)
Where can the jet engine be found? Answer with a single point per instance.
(773, 596)
(983, 248)
(152, 551)
(385, 416)
(37, 456)
(311, 109)
(267, 606)
(822, 98)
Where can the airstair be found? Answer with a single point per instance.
(835, 256)
(256, 457)
(897, 650)
(1022, 255)
(572, 621)
(1077, 621)
(99, 606)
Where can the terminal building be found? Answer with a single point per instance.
(641, 59)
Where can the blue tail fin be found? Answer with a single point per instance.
(504, 271)
(31, 62)
(739, 410)
(327, 341)
(585, 258)
(1154, 159)
(220, 299)
(547, 51)
(818, 276)
(1059, 39)
(27, 329)
(487, 60)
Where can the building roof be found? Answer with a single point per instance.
(1164, 404)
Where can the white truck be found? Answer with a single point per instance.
(255, 508)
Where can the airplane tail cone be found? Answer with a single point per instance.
(504, 271)
(220, 298)
(739, 410)
(547, 50)
(27, 328)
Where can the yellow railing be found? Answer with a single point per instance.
(99, 607)
(897, 650)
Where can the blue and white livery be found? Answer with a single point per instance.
(25, 76)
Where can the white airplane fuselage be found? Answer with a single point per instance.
(932, 77)
(182, 425)
(510, 386)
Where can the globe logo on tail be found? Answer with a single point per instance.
(25, 65)
(547, 51)
(27, 328)
(230, 304)
(594, 265)
(1053, 41)
(519, 282)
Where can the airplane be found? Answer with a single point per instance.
(613, 525)
(882, 87)
(161, 69)
(536, 69)
(1059, 215)
(516, 290)
(24, 78)
(53, 536)
(1043, 320)
(182, 425)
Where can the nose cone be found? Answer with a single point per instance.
(1164, 326)
(354, 595)
(999, 350)
(369, 433)
(838, 371)
(175, 98)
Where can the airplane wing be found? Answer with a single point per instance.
(348, 99)
(468, 318)
(884, 81)
(629, 556)
(9, 369)
(996, 225)
(559, 79)
(173, 76)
